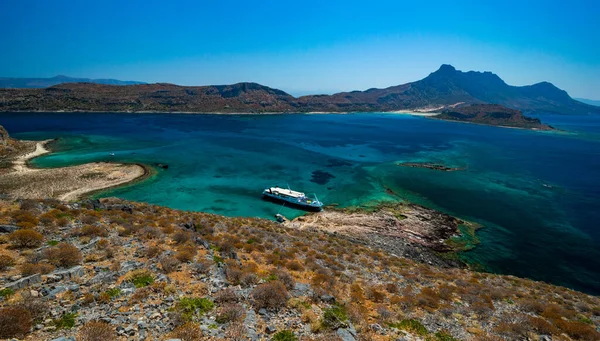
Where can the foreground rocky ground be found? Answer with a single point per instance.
(116, 270)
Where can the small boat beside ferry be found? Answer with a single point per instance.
(292, 198)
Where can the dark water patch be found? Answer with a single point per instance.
(338, 163)
(321, 177)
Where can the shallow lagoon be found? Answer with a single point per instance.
(537, 194)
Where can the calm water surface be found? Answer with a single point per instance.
(537, 194)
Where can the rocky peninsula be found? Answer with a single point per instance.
(20, 180)
(492, 114)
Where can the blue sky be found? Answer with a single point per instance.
(303, 46)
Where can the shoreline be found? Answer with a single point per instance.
(414, 112)
(77, 181)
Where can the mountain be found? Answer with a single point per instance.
(444, 88)
(25, 83)
(449, 87)
(589, 101)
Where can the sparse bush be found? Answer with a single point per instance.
(285, 278)
(187, 332)
(412, 326)
(140, 278)
(90, 219)
(63, 255)
(150, 232)
(230, 312)
(28, 269)
(153, 251)
(375, 293)
(181, 237)
(284, 335)
(294, 265)
(141, 294)
(186, 253)
(26, 238)
(169, 263)
(37, 307)
(270, 295)
(96, 331)
(14, 322)
(202, 266)
(6, 261)
(578, 330)
(93, 231)
(226, 295)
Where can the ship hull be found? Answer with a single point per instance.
(294, 204)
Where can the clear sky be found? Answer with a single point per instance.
(303, 46)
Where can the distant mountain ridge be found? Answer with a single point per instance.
(33, 83)
(442, 89)
(589, 101)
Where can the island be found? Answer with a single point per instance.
(492, 114)
(429, 165)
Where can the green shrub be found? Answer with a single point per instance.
(190, 306)
(6, 293)
(52, 242)
(140, 278)
(443, 336)
(114, 292)
(66, 321)
(284, 335)
(335, 317)
(412, 326)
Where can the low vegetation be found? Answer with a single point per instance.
(207, 277)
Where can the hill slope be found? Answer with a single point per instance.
(116, 270)
(446, 87)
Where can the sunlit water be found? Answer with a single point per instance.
(537, 194)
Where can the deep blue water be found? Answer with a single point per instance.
(537, 194)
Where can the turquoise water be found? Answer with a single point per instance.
(537, 194)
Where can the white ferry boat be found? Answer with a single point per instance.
(293, 198)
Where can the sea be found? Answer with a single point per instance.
(536, 195)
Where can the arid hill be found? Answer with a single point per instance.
(117, 270)
(444, 88)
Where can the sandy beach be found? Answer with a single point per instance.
(65, 183)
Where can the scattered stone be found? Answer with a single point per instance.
(8, 228)
(345, 335)
(72, 273)
(24, 282)
(328, 298)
